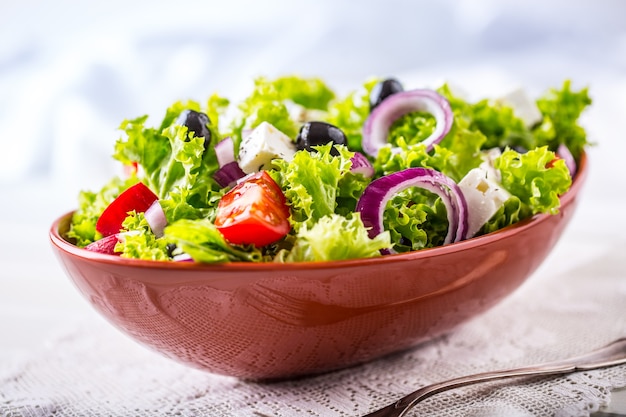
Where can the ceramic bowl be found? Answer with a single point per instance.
(269, 321)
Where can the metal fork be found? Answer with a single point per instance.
(612, 354)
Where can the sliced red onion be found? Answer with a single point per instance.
(376, 128)
(156, 218)
(564, 153)
(374, 199)
(106, 244)
(361, 165)
(225, 151)
(228, 174)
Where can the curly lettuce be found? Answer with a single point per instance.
(269, 102)
(318, 184)
(350, 112)
(561, 110)
(334, 238)
(140, 242)
(535, 177)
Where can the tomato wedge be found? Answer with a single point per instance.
(138, 198)
(253, 212)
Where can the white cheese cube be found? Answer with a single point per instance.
(484, 197)
(523, 106)
(263, 144)
(488, 157)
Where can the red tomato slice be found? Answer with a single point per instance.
(253, 212)
(138, 198)
(552, 162)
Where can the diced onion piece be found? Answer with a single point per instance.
(564, 153)
(228, 174)
(105, 245)
(156, 218)
(374, 199)
(361, 165)
(225, 151)
(376, 128)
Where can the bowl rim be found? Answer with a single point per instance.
(63, 245)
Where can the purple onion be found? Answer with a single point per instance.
(225, 151)
(361, 165)
(156, 218)
(105, 245)
(564, 153)
(376, 128)
(228, 174)
(373, 201)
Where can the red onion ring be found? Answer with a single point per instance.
(376, 128)
(373, 201)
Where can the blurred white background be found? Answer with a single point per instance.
(71, 71)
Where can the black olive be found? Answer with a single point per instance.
(518, 148)
(196, 122)
(170, 248)
(384, 89)
(320, 133)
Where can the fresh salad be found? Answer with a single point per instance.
(295, 172)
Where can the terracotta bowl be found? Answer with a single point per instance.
(269, 321)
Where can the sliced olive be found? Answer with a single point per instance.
(198, 123)
(384, 89)
(320, 133)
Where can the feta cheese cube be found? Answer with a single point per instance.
(484, 197)
(523, 106)
(263, 144)
(488, 157)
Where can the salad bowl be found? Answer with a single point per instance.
(274, 321)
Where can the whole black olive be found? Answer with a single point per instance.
(384, 89)
(320, 133)
(196, 122)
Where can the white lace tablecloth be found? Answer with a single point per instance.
(575, 302)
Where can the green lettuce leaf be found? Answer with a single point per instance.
(141, 243)
(172, 160)
(495, 121)
(561, 111)
(204, 243)
(512, 211)
(334, 238)
(268, 102)
(318, 184)
(416, 219)
(350, 112)
(529, 177)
